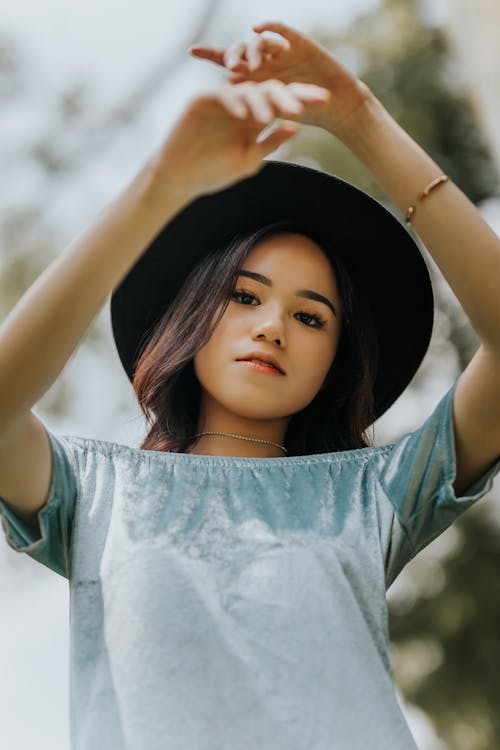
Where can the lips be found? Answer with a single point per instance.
(263, 359)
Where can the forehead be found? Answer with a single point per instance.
(294, 257)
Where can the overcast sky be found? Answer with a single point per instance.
(109, 43)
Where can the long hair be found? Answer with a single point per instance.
(169, 393)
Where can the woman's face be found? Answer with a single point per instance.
(272, 319)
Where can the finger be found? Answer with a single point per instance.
(236, 78)
(250, 56)
(309, 91)
(277, 137)
(257, 103)
(254, 55)
(262, 49)
(280, 28)
(283, 99)
(234, 103)
(269, 45)
(235, 52)
(214, 54)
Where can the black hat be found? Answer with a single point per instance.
(383, 259)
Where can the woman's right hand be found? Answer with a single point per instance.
(214, 142)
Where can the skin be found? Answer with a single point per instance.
(241, 400)
(465, 249)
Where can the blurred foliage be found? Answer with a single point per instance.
(28, 245)
(26, 242)
(408, 67)
(460, 693)
(446, 645)
(10, 69)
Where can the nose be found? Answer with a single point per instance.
(271, 329)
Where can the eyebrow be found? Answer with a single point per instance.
(307, 293)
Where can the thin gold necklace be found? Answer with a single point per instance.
(242, 437)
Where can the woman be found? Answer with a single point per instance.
(228, 578)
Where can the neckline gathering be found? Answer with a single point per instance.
(109, 448)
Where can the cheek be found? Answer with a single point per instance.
(317, 351)
(204, 362)
(207, 361)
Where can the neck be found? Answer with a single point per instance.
(214, 417)
(222, 445)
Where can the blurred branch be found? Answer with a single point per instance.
(128, 109)
(65, 154)
(97, 136)
(473, 32)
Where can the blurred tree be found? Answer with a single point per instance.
(446, 646)
(408, 66)
(460, 693)
(74, 134)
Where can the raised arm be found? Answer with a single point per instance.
(464, 247)
(50, 319)
(47, 324)
(213, 144)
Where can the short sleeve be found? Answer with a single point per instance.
(49, 543)
(416, 475)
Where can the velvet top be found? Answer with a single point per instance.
(224, 603)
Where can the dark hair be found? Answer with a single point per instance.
(169, 392)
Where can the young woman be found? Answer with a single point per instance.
(228, 577)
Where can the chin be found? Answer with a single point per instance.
(245, 404)
(259, 413)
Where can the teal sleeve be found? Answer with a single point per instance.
(49, 543)
(416, 474)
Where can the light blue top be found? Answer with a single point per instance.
(223, 603)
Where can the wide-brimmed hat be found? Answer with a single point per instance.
(383, 259)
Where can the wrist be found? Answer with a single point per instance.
(161, 183)
(363, 126)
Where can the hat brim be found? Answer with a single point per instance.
(385, 262)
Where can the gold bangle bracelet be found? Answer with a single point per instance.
(425, 192)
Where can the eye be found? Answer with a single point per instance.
(242, 293)
(318, 321)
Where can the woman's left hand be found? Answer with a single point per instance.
(296, 57)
